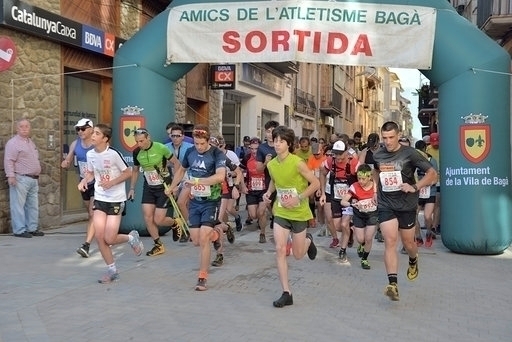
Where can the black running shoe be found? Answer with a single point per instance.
(285, 299)
(238, 222)
(312, 248)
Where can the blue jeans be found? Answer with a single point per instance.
(24, 202)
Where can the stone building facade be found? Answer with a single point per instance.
(45, 74)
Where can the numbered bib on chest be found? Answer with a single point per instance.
(82, 168)
(285, 194)
(366, 205)
(257, 183)
(152, 177)
(425, 192)
(200, 190)
(390, 180)
(340, 190)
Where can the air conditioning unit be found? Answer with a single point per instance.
(329, 121)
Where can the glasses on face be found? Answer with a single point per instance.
(176, 135)
(81, 128)
(140, 131)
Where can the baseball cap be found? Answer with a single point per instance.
(84, 122)
(338, 147)
(315, 148)
(373, 140)
(247, 138)
(426, 139)
(434, 139)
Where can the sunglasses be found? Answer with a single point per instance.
(176, 135)
(81, 128)
(140, 131)
(200, 133)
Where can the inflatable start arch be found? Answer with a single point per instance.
(469, 68)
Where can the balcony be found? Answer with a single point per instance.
(305, 103)
(330, 101)
(494, 17)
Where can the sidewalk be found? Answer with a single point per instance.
(49, 293)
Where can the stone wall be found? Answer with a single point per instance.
(34, 87)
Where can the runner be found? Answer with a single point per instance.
(153, 157)
(397, 201)
(360, 197)
(78, 151)
(207, 169)
(264, 155)
(289, 178)
(110, 171)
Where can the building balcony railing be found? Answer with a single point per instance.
(494, 17)
(305, 103)
(330, 101)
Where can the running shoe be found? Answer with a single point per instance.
(177, 229)
(83, 250)
(343, 256)
(392, 292)
(285, 299)
(157, 249)
(312, 251)
(136, 243)
(248, 221)
(351, 239)
(379, 236)
(365, 264)
(263, 239)
(419, 241)
(201, 284)
(413, 270)
(219, 260)
(230, 234)
(184, 239)
(321, 232)
(428, 239)
(109, 277)
(360, 250)
(238, 222)
(335, 243)
(403, 251)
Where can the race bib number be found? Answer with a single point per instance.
(366, 206)
(257, 183)
(104, 175)
(391, 180)
(152, 177)
(200, 190)
(340, 190)
(82, 168)
(285, 194)
(425, 192)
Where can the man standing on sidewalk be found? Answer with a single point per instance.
(22, 168)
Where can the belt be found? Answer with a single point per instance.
(31, 176)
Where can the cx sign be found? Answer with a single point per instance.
(222, 76)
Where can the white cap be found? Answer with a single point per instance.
(426, 139)
(84, 122)
(339, 146)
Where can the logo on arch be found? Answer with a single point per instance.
(131, 120)
(475, 141)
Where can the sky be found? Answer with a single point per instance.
(410, 79)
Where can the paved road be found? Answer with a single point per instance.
(49, 293)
